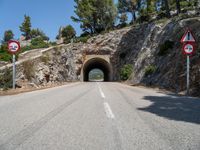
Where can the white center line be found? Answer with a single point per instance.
(108, 111)
(101, 92)
(107, 108)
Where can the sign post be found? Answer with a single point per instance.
(188, 41)
(188, 75)
(14, 71)
(13, 48)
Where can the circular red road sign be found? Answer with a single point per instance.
(188, 48)
(13, 46)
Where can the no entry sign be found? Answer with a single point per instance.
(188, 48)
(13, 46)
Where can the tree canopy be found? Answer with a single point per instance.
(25, 28)
(39, 33)
(8, 35)
(128, 6)
(68, 33)
(95, 15)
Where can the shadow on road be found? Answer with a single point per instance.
(175, 108)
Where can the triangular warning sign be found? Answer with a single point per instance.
(188, 37)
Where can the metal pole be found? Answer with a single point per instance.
(188, 75)
(14, 71)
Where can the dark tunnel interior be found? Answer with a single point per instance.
(97, 63)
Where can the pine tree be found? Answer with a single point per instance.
(128, 6)
(178, 6)
(38, 33)
(95, 15)
(123, 18)
(25, 28)
(8, 35)
(68, 33)
(166, 7)
(151, 6)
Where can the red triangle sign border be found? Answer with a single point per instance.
(188, 37)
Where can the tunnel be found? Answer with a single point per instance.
(97, 63)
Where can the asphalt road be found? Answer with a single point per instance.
(99, 116)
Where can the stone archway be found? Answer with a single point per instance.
(101, 63)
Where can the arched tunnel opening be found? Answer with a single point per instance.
(100, 64)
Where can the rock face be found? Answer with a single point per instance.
(154, 44)
(3, 63)
(148, 46)
(53, 66)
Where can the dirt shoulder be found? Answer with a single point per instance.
(30, 89)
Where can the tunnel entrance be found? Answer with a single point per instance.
(97, 63)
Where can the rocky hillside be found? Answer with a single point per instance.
(156, 54)
(153, 49)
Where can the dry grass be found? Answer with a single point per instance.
(28, 69)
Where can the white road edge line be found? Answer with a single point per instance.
(101, 92)
(108, 111)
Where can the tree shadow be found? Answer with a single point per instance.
(174, 107)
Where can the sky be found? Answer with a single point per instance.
(47, 15)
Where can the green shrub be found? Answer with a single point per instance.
(165, 47)
(28, 69)
(161, 21)
(82, 39)
(161, 15)
(45, 58)
(5, 57)
(36, 43)
(185, 4)
(6, 79)
(144, 18)
(53, 43)
(68, 33)
(26, 48)
(150, 70)
(39, 43)
(126, 71)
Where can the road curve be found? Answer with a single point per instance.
(99, 116)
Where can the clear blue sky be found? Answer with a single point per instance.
(47, 15)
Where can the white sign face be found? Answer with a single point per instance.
(188, 48)
(13, 47)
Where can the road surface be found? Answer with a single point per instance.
(99, 116)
